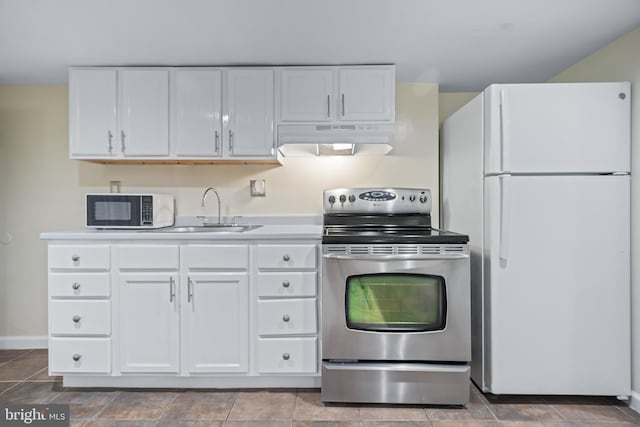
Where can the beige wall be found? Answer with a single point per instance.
(620, 61)
(450, 102)
(42, 190)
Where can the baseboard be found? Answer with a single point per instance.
(23, 343)
(635, 401)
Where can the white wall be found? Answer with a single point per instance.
(42, 190)
(620, 61)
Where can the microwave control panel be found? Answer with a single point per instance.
(146, 206)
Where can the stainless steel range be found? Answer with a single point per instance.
(396, 301)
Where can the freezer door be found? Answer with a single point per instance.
(557, 285)
(561, 127)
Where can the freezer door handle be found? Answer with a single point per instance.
(504, 158)
(505, 219)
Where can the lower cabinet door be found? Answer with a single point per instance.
(288, 355)
(215, 313)
(79, 355)
(149, 322)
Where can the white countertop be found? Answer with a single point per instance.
(272, 228)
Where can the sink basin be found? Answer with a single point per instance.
(214, 228)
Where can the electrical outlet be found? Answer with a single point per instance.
(114, 186)
(258, 187)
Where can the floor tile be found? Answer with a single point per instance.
(257, 424)
(263, 405)
(137, 405)
(392, 413)
(396, 424)
(327, 424)
(472, 412)
(525, 412)
(189, 423)
(43, 375)
(35, 393)
(85, 404)
(23, 367)
(594, 413)
(6, 385)
(120, 423)
(309, 407)
(201, 405)
(466, 423)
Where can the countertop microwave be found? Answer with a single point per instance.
(129, 211)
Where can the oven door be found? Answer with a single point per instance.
(396, 307)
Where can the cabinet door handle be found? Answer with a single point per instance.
(217, 146)
(76, 357)
(172, 289)
(328, 106)
(122, 137)
(76, 319)
(189, 289)
(286, 257)
(285, 356)
(75, 285)
(110, 139)
(75, 258)
(286, 318)
(230, 141)
(285, 284)
(342, 105)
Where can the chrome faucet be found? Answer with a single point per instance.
(204, 198)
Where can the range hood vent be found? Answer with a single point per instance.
(334, 139)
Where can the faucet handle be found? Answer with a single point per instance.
(204, 218)
(234, 220)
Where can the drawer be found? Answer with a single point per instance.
(93, 355)
(288, 284)
(77, 317)
(79, 285)
(149, 257)
(293, 316)
(216, 257)
(86, 257)
(287, 256)
(288, 355)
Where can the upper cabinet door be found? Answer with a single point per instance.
(249, 110)
(367, 94)
(144, 112)
(196, 122)
(307, 95)
(92, 112)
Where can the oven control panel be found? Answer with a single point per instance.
(377, 200)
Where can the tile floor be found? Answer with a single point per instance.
(24, 379)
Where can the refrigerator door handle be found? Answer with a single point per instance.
(505, 219)
(504, 159)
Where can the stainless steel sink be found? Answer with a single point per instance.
(212, 228)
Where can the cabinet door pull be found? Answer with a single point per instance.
(172, 289)
(76, 357)
(189, 289)
(328, 106)
(122, 137)
(286, 284)
(75, 258)
(286, 257)
(75, 285)
(217, 146)
(76, 319)
(285, 356)
(110, 139)
(343, 105)
(230, 141)
(286, 318)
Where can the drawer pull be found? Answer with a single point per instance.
(75, 285)
(286, 318)
(285, 356)
(75, 258)
(286, 257)
(285, 284)
(76, 318)
(76, 357)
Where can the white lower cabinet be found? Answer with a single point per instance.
(232, 314)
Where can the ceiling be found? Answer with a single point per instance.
(463, 45)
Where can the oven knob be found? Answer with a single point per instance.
(412, 198)
(332, 199)
(352, 198)
(423, 199)
(343, 198)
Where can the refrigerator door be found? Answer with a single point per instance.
(557, 285)
(550, 128)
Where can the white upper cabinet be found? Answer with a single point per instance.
(249, 113)
(333, 94)
(307, 95)
(144, 112)
(115, 114)
(196, 112)
(92, 112)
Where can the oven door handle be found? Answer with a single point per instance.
(433, 257)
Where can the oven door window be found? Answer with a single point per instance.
(390, 302)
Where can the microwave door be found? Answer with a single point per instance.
(111, 211)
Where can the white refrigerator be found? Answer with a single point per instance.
(538, 176)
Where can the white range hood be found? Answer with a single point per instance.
(334, 139)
